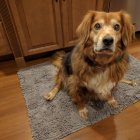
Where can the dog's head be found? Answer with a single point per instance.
(106, 32)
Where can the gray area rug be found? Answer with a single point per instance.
(58, 118)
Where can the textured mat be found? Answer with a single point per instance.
(58, 118)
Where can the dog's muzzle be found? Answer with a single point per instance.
(107, 47)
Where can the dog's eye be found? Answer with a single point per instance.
(97, 26)
(116, 27)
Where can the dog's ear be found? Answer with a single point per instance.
(128, 30)
(83, 30)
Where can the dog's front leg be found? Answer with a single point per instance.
(80, 103)
(76, 93)
(107, 96)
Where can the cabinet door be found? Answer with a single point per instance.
(4, 44)
(72, 14)
(38, 25)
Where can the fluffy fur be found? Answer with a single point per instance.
(94, 67)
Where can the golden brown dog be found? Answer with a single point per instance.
(98, 62)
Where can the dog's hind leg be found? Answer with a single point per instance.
(129, 82)
(49, 96)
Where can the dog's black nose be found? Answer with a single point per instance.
(108, 40)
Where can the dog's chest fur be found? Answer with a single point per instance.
(100, 83)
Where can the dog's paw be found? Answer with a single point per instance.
(83, 113)
(134, 83)
(113, 103)
(49, 96)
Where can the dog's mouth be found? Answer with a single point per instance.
(105, 51)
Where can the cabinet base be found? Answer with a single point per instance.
(20, 62)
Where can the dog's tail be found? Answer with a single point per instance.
(57, 58)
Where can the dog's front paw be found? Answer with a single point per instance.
(49, 96)
(113, 103)
(83, 112)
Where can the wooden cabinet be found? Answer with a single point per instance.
(45, 25)
(72, 14)
(38, 24)
(4, 44)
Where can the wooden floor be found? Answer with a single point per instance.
(14, 124)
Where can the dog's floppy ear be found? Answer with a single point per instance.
(83, 30)
(128, 30)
